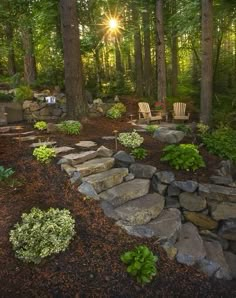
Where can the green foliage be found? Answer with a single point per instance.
(44, 154)
(70, 127)
(221, 142)
(5, 173)
(202, 129)
(40, 125)
(151, 128)
(42, 233)
(141, 263)
(184, 128)
(130, 139)
(23, 93)
(5, 97)
(139, 153)
(116, 111)
(183, 157)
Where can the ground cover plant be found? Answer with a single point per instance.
(184, 128)
(139, 153)
(44, 154)
(23, 93)
(151, 128)
(70, 127)
(116, 111)
(183, 157)
(41, 234)
(130, 139)
(5, 173)
(40, 125)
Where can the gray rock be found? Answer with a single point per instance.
(225, 210)
(227, 229)
(189, 245)
(86, 144)
(52, 127)
(35, 145)
(63, 149)
(104, 152)
(62, 161)
(26, 139)
(188, 186)
(222, 180)
(103, 181)
(77, 158)
(227, 168)
(87, 189)
(68, 169)
(170, 250)
(95, 166)
(160, 188)
(108, 138)
(142, 171)
(232, 246)
(192, 202)
(123, 159)
(173, 191)
(172, 202)
(142, 210)
(76, 178)
(165, 135)
(210, 236)
(231, 261)
(218, 193)
(126, 191)
(201, 220)
(109, 210)
(214, 263)
(165, 177)
(129, 177)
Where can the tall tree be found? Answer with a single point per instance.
(161, 66)
(207, 61)
(76, 102)
(11, 53)
(174, 53)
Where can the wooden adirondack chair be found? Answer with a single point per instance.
(179, 112)
(146, 113)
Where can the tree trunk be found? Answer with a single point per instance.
(119, 67)
(138, 54)
(174, 55)
(11, 63)
(147, 66)
(76, 102)
(29, 58)
(207, 61)
(161, 66)
(98, 68)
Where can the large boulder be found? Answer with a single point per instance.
(188, 186)
(94, 166)
(123, 159)
(192, 202)
(165, 135)
(225, 210)
(165, 177)
(201, 220)
(227, 229)
(218, 193)
(142, 171)
(190, 245)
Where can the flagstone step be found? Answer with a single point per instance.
(5, 129)
(86, 144)
(77, 158)
(63, 149)
(35, 145)
(108, 179)
(26, 139)
(94, 166)
(126, 191)
(14, 134)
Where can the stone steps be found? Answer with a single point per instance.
(94, 166)
(78, 158)
(108, 179)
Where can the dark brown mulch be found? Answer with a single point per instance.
(91, 266)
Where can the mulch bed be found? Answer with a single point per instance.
(91, 266)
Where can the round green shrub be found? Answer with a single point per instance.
(130, 139)
(41, 234)
(116, 111)
(121, 107)
(151, 128)
(44, 154)
(139, 153)
(40, 125)
(23, 93)
(70, 127)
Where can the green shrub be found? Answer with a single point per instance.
(42, 233)
(44, 154)
(141, 263)
(184, 128)
(139, 153)
(183, 157)
(151, 128)
(5, 173)
(202, 129)
(5, 97)
(221, 142)
(23, 93)
(40, 125)
(121, 107)
(70, 127)
(130, 139)
(116, 111)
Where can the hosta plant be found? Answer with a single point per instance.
(5, 173)
(141, 263)
(121, 107)
(202, 129)
(183, 157)
(70, 127)
(42, 233)
(139, 153)
(44, 154)
(151, 128)
(116, 111)
(184, 128)
(130, 139)
(40, 125)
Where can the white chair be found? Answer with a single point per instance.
(179, 112)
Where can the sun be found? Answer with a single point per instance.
(113, 24)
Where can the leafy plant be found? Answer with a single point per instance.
(121, 107)
(5, 97)
(183, 157)
(202, 128)
(151, 128)
(40, 125)
(130, 139)
(42, 233)
(141, 263)
(221, 142)
(44, 154)
(5, 173)
(70, 127)
(116, 111)
(184, 128)
(139, 153)
(23, 93)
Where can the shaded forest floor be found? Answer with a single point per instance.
(91, 266)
